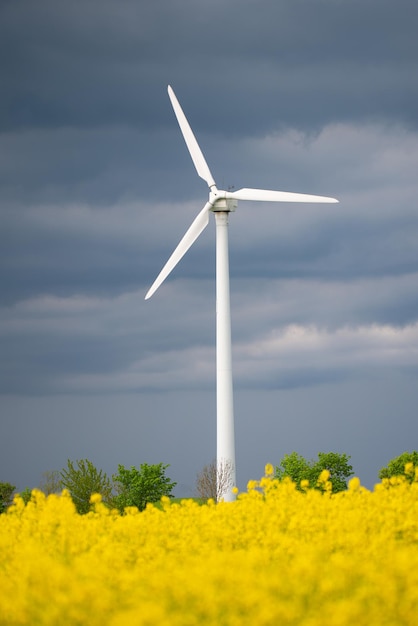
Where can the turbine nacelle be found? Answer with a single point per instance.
(221, 200)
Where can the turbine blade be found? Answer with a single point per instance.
(194, 149)
(266, 195)
(198, 225)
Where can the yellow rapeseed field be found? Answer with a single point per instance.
(276, 556)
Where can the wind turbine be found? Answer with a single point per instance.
(221, 203)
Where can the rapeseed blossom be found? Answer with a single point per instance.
(276, 556)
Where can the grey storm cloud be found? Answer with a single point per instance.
(307, 63)
(97, 188)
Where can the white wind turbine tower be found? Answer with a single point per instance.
(220, 203)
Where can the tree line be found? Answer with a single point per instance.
(149, 483)
(128, 487)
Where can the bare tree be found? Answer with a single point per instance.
(51, 482)
(214, 480)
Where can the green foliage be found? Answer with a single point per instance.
(298, 468)
(338, 466)
(6, 496)
(294, 466)
(137, 487)
(26, 495)
(396, 467)
(82, 481)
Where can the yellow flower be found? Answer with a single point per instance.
(269, 469)
(409, 468)
(324, 476)
(354, 484)
(354, 559)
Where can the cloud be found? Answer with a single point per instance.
(74, 274)
(117, 245)
(93, 64)
(289, 354)
(92, 345)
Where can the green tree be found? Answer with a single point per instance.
(294, 466)
(298, 468)
(82, 479)
(137, 487)
(396, 467)
(339, 468)
(26, 495)
(6, 496)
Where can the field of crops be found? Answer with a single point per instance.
(275, 556)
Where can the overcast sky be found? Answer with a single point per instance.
(97, 188)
